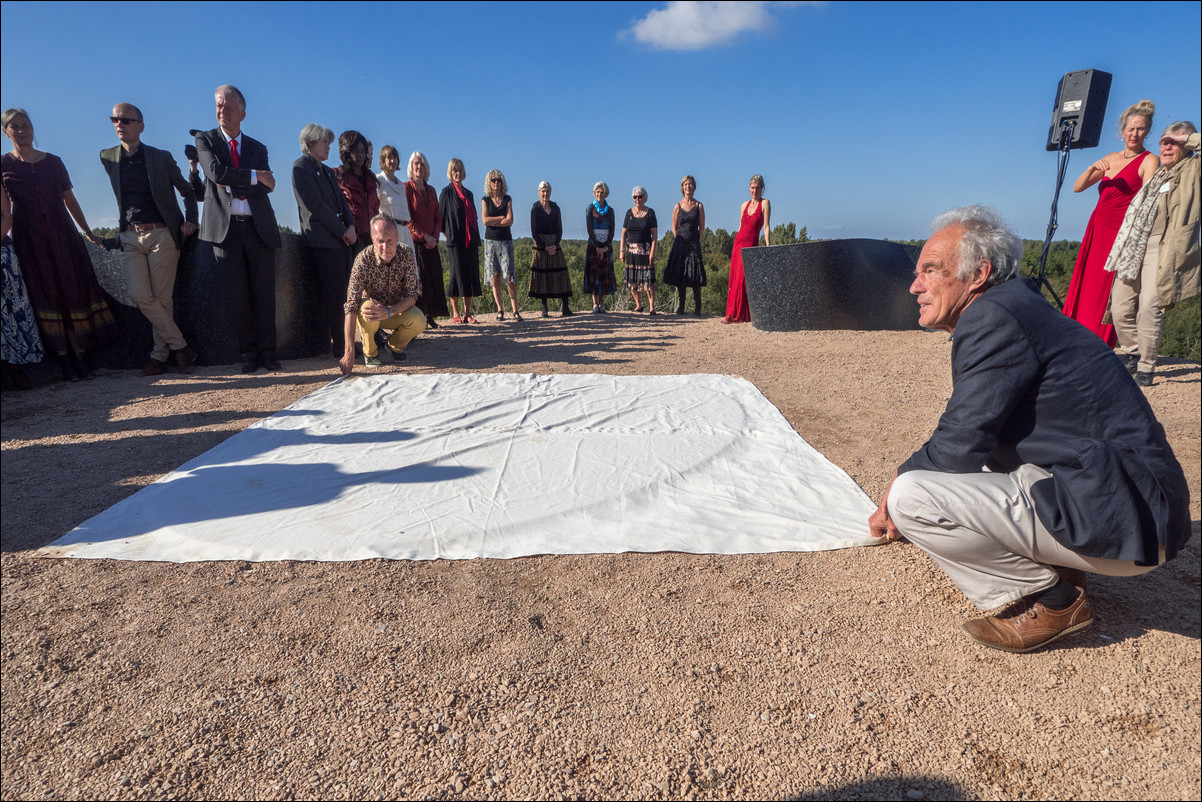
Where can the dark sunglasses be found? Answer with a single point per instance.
(123, 120)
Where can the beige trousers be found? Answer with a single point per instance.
(982, 530)
(150, 262)
(405, 326)
(1137, 318)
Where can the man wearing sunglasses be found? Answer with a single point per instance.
(151, 229)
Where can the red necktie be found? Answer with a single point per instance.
(234, 153)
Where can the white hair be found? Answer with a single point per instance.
(985, 236)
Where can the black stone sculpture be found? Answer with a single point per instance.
(202, 309)
(854, 284)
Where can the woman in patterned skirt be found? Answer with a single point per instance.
(599, 261)
(21, 344)
(548, 269)
(639, 234)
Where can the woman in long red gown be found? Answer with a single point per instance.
(1119, 177)
(753, 218)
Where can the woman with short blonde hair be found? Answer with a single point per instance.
(460, 226)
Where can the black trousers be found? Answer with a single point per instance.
(333, 275)
(249, 267)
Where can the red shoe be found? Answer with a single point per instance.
(470, 319)
(456, 319)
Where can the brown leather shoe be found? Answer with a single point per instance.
(154, 368)
(1026, 626)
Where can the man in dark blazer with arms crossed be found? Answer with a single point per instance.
(151, 230)
(239, 221)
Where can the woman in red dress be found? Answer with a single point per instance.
(1119, 177)
(753, 218)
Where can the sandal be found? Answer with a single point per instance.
(638, 309)
(456, 319)
(517, 316)
(501, 314)
(470, 319)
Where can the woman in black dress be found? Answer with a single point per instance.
(548, 269)
(685, 268)
(639, 234)
(458, 208)
(599, 261)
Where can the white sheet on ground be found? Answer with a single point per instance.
(455, 466)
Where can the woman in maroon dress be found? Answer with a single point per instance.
(1119, 177)
(67, 302)
(425, 224)
(753, 218)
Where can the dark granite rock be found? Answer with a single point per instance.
(855, 284)
(202, 310)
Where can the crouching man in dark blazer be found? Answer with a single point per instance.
(1079, 475)
(151, 230)
(239, 221)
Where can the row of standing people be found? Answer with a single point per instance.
(65, 308)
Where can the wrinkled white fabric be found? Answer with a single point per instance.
(456, 466)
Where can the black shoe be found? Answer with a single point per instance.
(430, 323)
(1144, 378)
(381, 339)
(270, 362)
(185, 358)
(251, 364)
(1131, 362)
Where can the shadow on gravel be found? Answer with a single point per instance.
(1168, 599)
(900, 788)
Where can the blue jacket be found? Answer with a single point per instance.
(1029, 385)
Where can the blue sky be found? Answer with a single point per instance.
(866, 119)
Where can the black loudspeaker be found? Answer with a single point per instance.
(1081, 102)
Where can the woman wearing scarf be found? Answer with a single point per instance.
(458, 208)
(599, 259)
(425, 223)
(1155, 256)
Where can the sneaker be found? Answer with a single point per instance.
(1144, 378)
(372, 361)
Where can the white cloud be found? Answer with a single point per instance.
(694, 25)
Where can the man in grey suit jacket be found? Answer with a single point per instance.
(239, 221)
(1047, 462)
(151, 229)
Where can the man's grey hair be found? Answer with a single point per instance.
(381, 217)
(230, 89)
(313, 133)
(986, 236)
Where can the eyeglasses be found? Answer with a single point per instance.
(124, 120)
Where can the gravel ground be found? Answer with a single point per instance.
(833, 675)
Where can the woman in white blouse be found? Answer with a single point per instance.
(391, 190)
